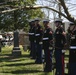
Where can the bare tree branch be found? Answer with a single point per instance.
(6, 11)
(69, 17)
(33, 7)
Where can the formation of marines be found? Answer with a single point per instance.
(42, 40)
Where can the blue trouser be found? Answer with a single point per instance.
(48, 58)
(33, 49)
(38, 53)
(59, 57)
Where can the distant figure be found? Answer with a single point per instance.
(72, 51)
(47, 45)
(32, 39)
(38, 38)
(60, 42)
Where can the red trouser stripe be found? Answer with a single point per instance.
(62, 64)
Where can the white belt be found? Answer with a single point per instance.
(72, 37)
(45, 38)
(31, 33)
(72, 47)
(37, 34)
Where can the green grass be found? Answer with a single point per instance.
(23, 65)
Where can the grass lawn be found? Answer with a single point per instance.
(23, 65)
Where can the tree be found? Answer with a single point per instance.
(68, 15)
(65, 10)
(61, 7)
(19, 20)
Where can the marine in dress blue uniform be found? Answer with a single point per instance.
(47, 45)
(32, 39)
(72, 50)
(60, 41)
(38, 39)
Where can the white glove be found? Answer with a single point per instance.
(63, 51)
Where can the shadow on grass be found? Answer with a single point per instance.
(5, 58)
(10, 57)
(5, 54)
(26, 55)
(20, 64)
(30, 72)
(24, 71)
